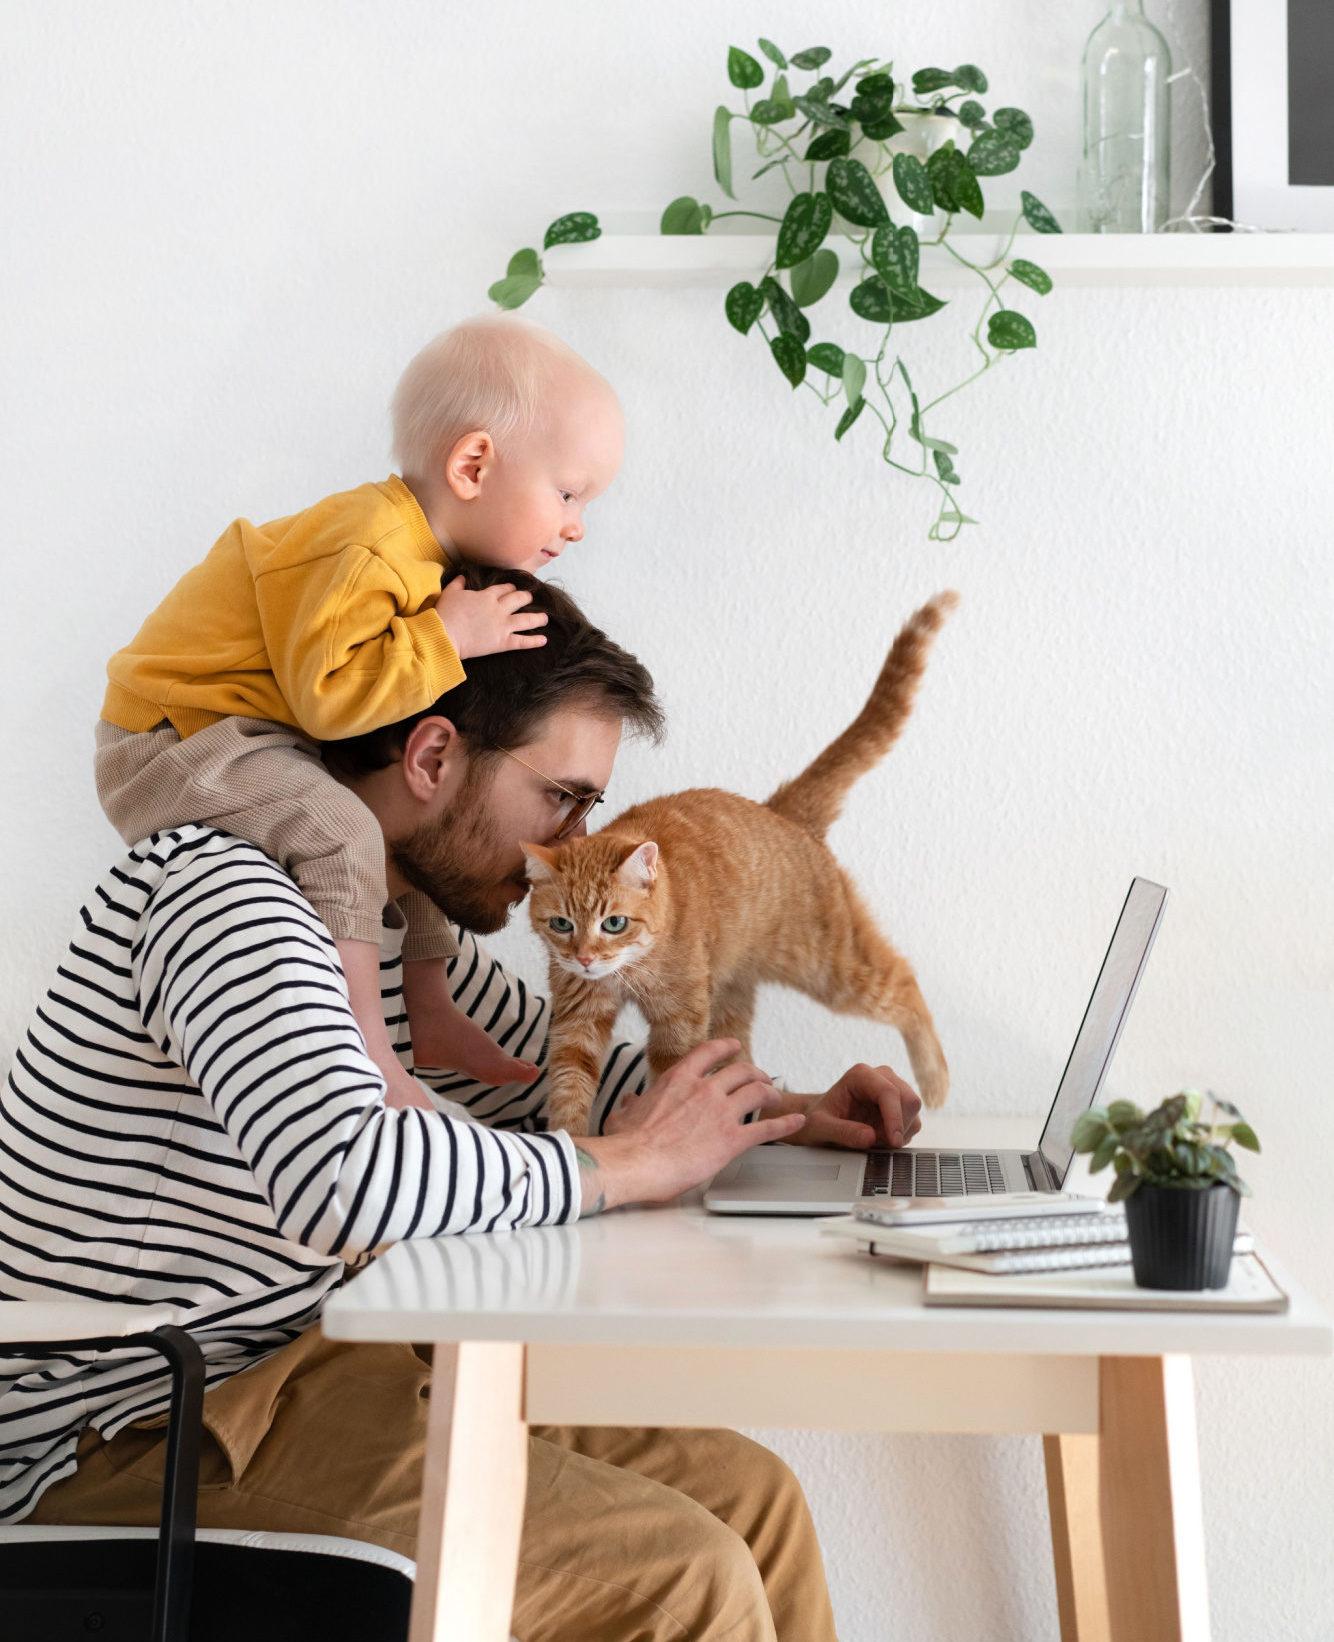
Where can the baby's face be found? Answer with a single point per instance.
(531, 503)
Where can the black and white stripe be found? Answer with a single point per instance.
(191, 1119)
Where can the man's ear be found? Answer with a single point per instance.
(541, 862)
(640, 867)
(430, 755)
(468, 463)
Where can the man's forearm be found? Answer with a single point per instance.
(610, 1173)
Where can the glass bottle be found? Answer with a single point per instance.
(1123, 181)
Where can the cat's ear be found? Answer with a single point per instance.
(541, 862)
(640, 867)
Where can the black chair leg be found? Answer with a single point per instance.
(180, 1477)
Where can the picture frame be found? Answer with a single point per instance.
(1272, 72)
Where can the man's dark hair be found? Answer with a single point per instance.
(506, 698)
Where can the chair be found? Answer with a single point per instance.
(172, 1583)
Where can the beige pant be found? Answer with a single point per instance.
(628, 1536)
(266, 783)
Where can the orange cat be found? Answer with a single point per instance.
(685, 904)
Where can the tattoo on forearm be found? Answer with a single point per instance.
(588, 1168)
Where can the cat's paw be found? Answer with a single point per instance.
(568, 1112)
(934, 1085)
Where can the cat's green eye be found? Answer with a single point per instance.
(615, 924)
(562, 926)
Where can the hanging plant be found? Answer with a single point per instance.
(879, 169)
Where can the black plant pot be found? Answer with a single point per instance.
(1181, 1237)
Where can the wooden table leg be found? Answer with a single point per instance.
(473, 1489)
(1149, 1487)
(1076, 1536)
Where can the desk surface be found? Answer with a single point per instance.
(678, 1276)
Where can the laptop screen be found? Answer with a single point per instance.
(1095, 1042)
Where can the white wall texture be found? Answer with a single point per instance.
(225, 230)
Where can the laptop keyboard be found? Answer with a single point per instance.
(932, 1174)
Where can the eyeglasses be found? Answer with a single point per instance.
(573, 808)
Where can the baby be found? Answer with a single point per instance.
(345, 617)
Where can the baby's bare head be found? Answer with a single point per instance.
(505, 434)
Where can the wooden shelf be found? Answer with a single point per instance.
(717, 259)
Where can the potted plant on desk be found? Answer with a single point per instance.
(1178, 1181)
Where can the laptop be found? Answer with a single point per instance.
(781, 1179)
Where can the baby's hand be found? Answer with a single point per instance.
(490, 619)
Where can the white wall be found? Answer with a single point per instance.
(225, 230)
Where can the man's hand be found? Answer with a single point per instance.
(868, 1106)
(682, 1130)
(484, 621)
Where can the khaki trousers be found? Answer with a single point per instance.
(628, 1536)
(267, 784)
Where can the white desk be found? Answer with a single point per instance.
(674, 1317)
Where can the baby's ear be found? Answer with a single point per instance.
(541, 862)
(640, 867)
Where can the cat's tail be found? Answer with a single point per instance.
(815, 797)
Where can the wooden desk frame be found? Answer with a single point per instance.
(1118, 1439)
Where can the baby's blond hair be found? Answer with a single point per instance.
(490, 372)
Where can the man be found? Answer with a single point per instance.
(193, 1120)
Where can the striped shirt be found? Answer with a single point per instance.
(192, 1120)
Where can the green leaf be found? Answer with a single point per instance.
(683, 216)
(945, 468)
(787, 316)
(1028, 273)
(848, 417)
(896, 256)
(1244, 1135)
(525, 262)
(882, 128)
(573, 229)
(913, 184)
(971, 114)
(812, 278)
(870, 300)
(967, 189)
(1036, 214)
(879, 84)
(927, 80)
(829, 144)
(772, 52)
(819, 112)
(1124, 1114)
(1103, 1153)
(769, 111)
(968, 77)
(514, 290)
(790, 356)
(812, 57)
(940, 171)
(1089, 1129)
(854, 193)
(743, 305)
(1122, 1187)
(804, 227)
(914, 304)
(742, 69)
(782, 94)
(993, 153)
(854, 378)
(870, 108)
(826, 357)
(1014, 123)
(722, 149)
(1010, 330)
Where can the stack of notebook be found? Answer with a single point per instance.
(1076, 1259)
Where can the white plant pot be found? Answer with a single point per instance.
(922, 135)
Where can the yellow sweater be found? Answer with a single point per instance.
(324, 620)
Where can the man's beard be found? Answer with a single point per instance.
(457, 861)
